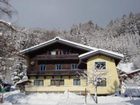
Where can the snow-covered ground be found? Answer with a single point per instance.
(66, 98)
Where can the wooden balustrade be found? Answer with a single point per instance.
(57, 57)
(55, 72)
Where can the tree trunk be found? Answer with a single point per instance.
(96, 99)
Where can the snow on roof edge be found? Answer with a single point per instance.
(93, 49)
(56, 38)
(9, 23)
(106, 51)
(133, 71)
(112, 52)
(35, 46)
(82, 45)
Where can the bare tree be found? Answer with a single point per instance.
(6, 9)
(94, 78)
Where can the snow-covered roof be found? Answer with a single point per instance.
(60, 40)
(3, 21)
(126, 67)
(7, 23)
(133, 71)
(102, 51)
(91, 50)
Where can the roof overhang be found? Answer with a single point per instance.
(133, 71)
(58, 40)
(111, 54)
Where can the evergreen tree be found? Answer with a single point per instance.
(19, 76)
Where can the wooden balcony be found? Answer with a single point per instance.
(55, 72)
(58, 57)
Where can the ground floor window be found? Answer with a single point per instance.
(76, 81)
(57, 82)
(102, 82)
(38, 83)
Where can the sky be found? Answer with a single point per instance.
(62, 14)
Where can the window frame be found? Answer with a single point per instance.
(99, 69)
(74, 66)
(37, 82)
(58, 66)
(57, 82)
(102, 83)
(76, 83)
(53, 52)
(42, 67)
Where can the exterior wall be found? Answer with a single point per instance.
(68, 85)
(110, 73)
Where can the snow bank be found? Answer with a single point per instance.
(132, 91)
(66, 98)
(6, 103)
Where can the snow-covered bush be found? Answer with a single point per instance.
(19, 76)
(134, 80)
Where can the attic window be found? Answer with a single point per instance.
(100, 65)
(53, 52)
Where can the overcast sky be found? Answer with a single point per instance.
(62, 14)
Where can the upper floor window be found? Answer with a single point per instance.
(100, 65)
(74, 66)
(42, 67)
(76, 81)
(38, 83)
(58, 66)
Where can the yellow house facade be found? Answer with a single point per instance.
(59, 65)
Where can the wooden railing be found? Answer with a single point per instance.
(56, 72)
(49, 57)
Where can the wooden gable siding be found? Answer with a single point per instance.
(65, 55)
(59, 48)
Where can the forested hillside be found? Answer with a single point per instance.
(121, 35)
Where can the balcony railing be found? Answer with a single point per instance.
(56, 72)
(57, 57)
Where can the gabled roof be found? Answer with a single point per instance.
(91, 51)
(101, 51)
(60, 40)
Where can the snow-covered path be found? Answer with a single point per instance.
(17, 98)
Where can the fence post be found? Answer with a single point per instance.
(85, 96)
(1, 98)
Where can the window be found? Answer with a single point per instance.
(58, 67)
(76, 81)
(38, 83)
(65, 51)
(101, 82)
(74, 66)
(53, 52)
(57, 82)
(42, 67)
(100, 65)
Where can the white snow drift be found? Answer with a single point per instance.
(66, 98)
